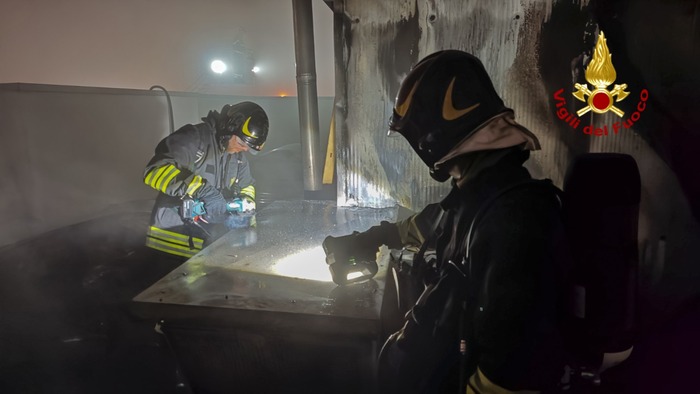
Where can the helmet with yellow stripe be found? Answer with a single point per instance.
(445, 98)
(246, 120)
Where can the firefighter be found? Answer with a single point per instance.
(486, 315)
(203, 179)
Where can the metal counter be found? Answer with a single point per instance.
(256, 311)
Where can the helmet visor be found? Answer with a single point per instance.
(253, 144)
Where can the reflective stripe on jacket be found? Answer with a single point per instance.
(173, 242)
(190, 162)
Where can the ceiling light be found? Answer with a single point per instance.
(218, 66)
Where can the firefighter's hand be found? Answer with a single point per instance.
(241, 204)
(215, 207)
(354, 246)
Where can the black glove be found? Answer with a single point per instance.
(215, 207)
(354, 246)
(363, 246)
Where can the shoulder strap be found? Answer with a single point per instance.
(419, 264)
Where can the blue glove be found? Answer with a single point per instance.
(244, 220)
(215, 207)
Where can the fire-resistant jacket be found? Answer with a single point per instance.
(190, 163)
(512, 284)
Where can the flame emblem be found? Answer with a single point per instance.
(600, 73)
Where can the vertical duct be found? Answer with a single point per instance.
(341, 45)
(307, 94)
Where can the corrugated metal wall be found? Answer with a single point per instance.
(532, 49)
(380, 44)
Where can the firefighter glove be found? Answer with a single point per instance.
(215, 207)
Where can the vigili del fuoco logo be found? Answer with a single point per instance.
(599, 99)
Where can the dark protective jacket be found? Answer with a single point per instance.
(513, 283)
(191, 163)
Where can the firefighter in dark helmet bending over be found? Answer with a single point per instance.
(497, 292)
(203, 179)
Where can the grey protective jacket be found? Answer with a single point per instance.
(191, 163)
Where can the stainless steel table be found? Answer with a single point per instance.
(256, 311)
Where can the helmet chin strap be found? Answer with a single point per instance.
(223, 143)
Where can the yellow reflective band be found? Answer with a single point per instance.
(233, 180)
(157, 175)
(182, 239)
(168, 170)
(170, 178)
(249, 191)
(245, 128)
(194, 185)
(479, 383)
(149, 176)
(176, 238)
(170, 248)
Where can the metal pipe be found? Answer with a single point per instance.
(170, 106)
(307, 93)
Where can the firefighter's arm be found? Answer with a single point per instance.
(242, 187)
(414, 229)
(167, 177)
(169, 170)
(410, 231)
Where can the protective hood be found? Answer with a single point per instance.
(500, 132)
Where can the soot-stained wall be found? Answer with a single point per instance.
(536, 51)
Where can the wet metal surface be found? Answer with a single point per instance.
(279, 266)
(257, 311)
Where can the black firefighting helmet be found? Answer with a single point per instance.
(444, 99)
(246, 120)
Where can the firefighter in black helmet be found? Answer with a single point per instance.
(203, 179)
(485, 315)
(245, 120)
